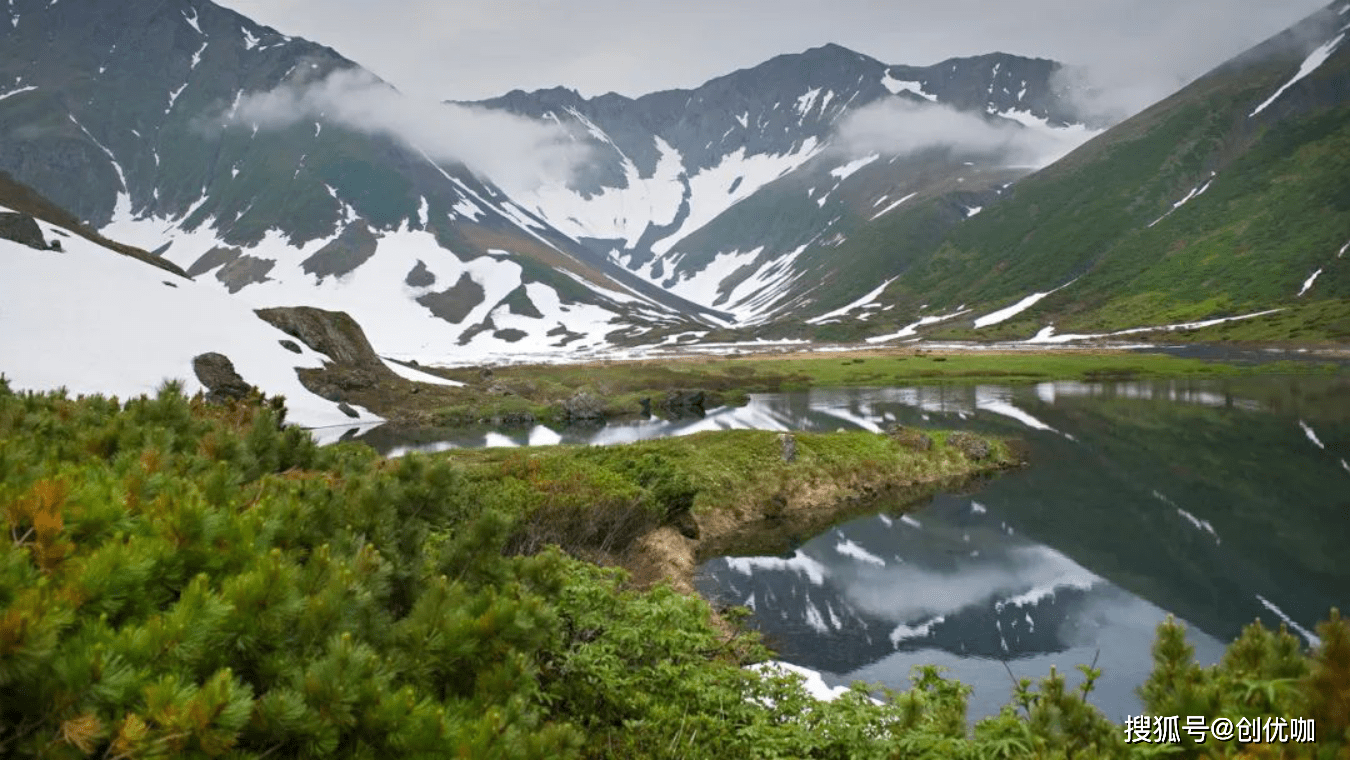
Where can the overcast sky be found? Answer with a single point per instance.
(472, 49)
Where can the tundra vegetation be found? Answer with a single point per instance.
(181, 579)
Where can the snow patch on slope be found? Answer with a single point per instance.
(418, 376)
(12, 93)
(1315, 58)
(866, 300)
(711, 193)
(850, 168)
(616, 212)
(994, 317)
(913, 327)
(1047, 334)
(377, 296)
(95, 321)
(1308, 283)
(891, 207)
(897, 86)
(1195, 191)
(1312, 436)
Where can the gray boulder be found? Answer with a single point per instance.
(584, 406)
(973, 447)
(22, 228)
(222, 381)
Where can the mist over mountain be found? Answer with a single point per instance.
(820, 194)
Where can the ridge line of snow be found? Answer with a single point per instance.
(891, 207)
(1315, 59)
(1047, 334)
(866, 299)
(1008, 312)
(12, 93)
(1308, 283)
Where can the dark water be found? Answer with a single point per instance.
(1211, 502)
(1217, 502)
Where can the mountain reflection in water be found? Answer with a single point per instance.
(1218, 501)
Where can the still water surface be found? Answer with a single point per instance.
(1217, 502)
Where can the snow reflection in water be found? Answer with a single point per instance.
(822, 409)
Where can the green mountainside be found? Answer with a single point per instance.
(1193, 209)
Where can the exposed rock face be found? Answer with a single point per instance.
(344, 253)
(355, 365)
(907, 436)
(21, 228)
(420, 276)
(683, 400)
(333, 333)
(584, 406)
(222, 381)
(454, 303)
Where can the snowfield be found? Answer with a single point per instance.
(376, 294)
(96, 322)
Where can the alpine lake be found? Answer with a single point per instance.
(1217, 501)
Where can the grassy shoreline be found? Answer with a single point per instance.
(540, 393)
(657, 508)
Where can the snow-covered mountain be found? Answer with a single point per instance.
(732, 193)
(822, 194)
(141, 100)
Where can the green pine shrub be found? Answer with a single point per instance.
(185, 580)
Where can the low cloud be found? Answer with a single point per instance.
(515, 152)
(899, 126)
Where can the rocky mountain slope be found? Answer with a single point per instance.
(149, 104)
(1230, 198)
(736, 194)
(820, 195)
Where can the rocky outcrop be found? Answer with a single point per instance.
(344, 253)
(333, 333)
(584, 406)
(973, 447)
(222, 381)
(22, 228)
(354, 364)
(910, 438)
(680, 404)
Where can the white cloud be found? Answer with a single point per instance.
(897, 126)
(515, 152)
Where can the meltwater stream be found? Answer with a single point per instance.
(1215, 501)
